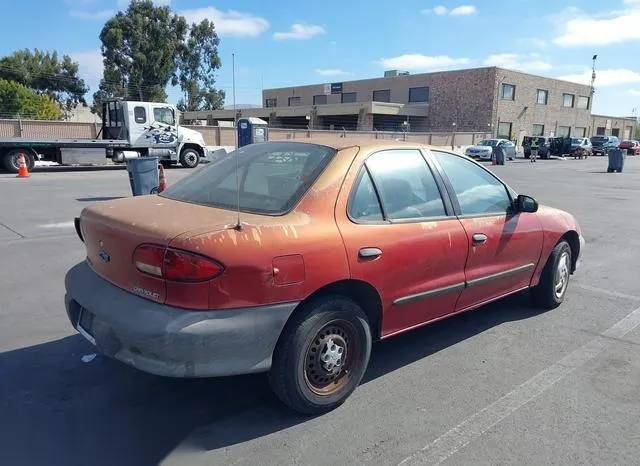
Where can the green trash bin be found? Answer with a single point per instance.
(143, 175)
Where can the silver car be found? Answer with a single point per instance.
(484, 149)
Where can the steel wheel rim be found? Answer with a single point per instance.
(562, 275)
(190, 158)
(331, 357)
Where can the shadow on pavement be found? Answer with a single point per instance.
(57, 409)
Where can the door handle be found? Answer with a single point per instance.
(479, 238)
(369, 253)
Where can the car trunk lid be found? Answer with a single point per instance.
(112, 230)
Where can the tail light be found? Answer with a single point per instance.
(175, 264)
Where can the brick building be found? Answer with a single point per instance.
(503, 102)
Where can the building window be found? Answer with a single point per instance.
(583, 101)
(293, 101)
(538, 130)
(320, 99)
(615, 132)
(273, 102)
(504, 130)
(140, 115)
(418, 94)
(564, 131)
(348, 98)
(567, 100)
(382, 96)
(580, 132)
(508, 92)
(542, 96)
(600, 131)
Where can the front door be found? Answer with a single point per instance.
(504, 248)
(401, 236)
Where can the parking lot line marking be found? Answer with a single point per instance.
(473, 427)
(609, 292)
(70, 224)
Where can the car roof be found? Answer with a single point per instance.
(364, 143)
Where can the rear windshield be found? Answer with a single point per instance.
(272, 176)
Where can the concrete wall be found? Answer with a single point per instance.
(523, 112)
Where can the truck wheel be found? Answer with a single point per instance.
(322, 355)
(189, 158)
(10, 160)
(554, 281)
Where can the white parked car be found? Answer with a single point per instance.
(484, 149)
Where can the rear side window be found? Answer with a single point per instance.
(272, 178)
(140, 115)
(406, 185)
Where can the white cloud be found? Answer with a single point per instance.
(634, 91)
(418, 62)
(101, 14)
(90, 67)
(300, 32)
(615, 28)
(520, 62)
(461, 10)
(610, 77)
(230, 23)
(331, 72)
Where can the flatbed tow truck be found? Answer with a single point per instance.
(129, 130)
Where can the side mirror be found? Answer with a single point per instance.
(526, 204)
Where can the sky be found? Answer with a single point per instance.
(281, 43)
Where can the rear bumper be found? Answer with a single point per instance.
(169, 341)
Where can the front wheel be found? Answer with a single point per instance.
(551, 290)
(189, 158)
(322, 355)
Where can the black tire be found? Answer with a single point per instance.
(10, 160)
(546, 294)
(189, 158)
(299, 378)
(167, 163)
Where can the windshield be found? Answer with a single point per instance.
(489, 142)
(576, 141)
(598, 139)
(272, 176)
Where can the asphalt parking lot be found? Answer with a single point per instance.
(504, 384)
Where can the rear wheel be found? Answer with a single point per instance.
(322, 355)
(551, 290)
(189, 158)
(10, 160)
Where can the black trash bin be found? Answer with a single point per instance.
(616, 160)
(143, 175)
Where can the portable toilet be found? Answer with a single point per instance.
(251, 131)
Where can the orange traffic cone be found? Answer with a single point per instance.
(23, 171)
(162, 185)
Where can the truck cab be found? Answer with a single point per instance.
(150, 128)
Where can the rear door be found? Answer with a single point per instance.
(401, 236)
(503, 248)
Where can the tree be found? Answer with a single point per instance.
(140, 47)
(17, 100)
(46, 73)
(197, 62)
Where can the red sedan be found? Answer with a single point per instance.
(631, 147)
(292, 257)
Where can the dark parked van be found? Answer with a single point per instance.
(601, 144)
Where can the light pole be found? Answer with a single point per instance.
(593, 77)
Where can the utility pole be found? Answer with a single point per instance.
(593, 77)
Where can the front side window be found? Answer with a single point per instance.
(164, 115)
(272, 178)
(406, 185)
(477, 190)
